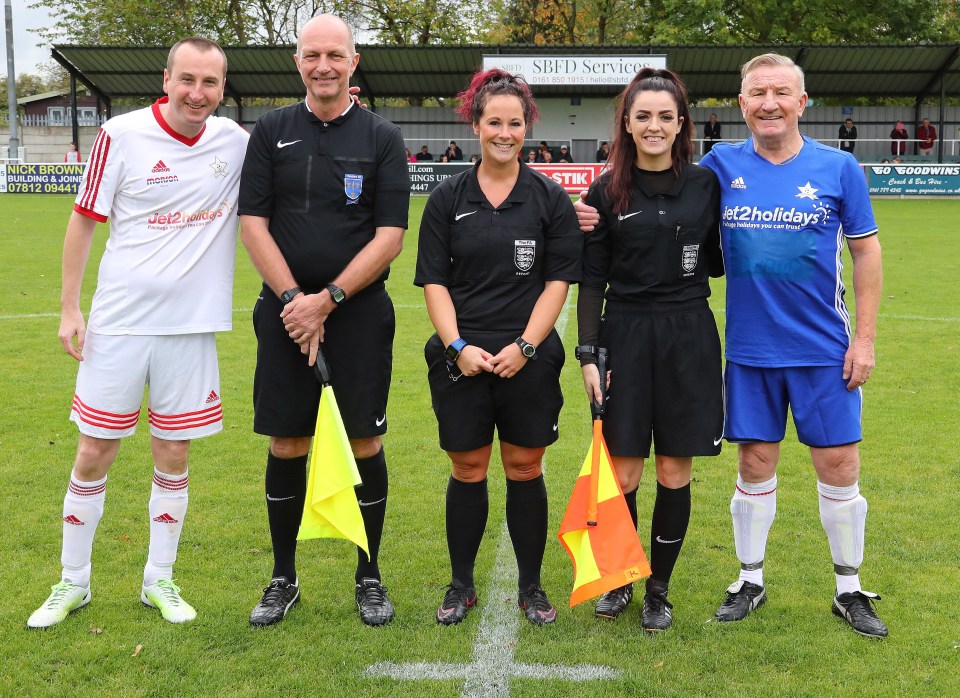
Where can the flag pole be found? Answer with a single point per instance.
(597, 410)
(321, 370)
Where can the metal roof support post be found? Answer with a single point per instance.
(74, 125)
(14, 142)
(943, 116)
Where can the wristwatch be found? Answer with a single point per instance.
(526, 348)
(336, 293)
(453, 351)
(585, 350)
(289, 294)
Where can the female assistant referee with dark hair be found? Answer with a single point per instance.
(657, 244)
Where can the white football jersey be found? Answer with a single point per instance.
(171, 202)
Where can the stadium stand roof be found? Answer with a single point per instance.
(916, 71)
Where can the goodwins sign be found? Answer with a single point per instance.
(575, 70)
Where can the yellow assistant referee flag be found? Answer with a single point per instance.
(331, 509)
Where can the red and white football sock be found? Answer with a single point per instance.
(82, 509)
(168, 509)
(754, 506)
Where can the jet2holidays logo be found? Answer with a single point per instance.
(808, 212)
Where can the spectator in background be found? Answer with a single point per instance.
(453, 152)
(711, 133)
(532, 156)
(927, 136)
(848, 136)
(475, 157)
(543, 152)
(898, 139)
(603, 152)
(410, 156)
(424, 155)
(72, 154)
(564, 155)
(444, 158)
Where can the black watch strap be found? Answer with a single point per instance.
(336, 293)
(289, 294)
(587, 354)
(526, 348)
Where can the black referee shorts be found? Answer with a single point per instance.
(666, 383)
(358, 346)
(524, 409)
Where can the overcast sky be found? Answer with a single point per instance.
(28, 56)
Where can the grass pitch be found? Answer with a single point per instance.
(792, 647)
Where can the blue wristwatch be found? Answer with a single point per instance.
(453, 351)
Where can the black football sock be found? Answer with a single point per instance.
(286, 487)
(372, 497)
(527, 523)
(467, 508)
(631, 498)
(671, 515)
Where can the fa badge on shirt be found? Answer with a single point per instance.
(352, 187)
(524, 254)
(690, 254)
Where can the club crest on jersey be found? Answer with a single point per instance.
(352, 187)
(524, 254)
(690, 254)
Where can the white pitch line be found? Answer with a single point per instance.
(493, 665)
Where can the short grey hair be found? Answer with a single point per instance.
(771, 59)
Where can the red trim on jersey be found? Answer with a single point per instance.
(89, 214)
(106, 420)
(169, 129)
(186, 420)
(94, 174)
(758, 494)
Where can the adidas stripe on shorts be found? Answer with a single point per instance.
(181, 372)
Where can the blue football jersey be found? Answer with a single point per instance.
(782, 231)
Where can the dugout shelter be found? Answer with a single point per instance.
(920, 72)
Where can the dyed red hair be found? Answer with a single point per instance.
(490, 83)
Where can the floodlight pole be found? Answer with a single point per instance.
(14, 144)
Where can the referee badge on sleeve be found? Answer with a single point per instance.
(352, 187)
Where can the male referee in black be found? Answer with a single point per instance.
(324, 196)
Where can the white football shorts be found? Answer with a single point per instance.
(180, 370)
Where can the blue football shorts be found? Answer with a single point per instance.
(825, 413)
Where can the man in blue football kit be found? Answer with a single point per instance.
(788, 206)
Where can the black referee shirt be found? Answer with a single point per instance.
(326, 186)
(664, 248)
(495, 261)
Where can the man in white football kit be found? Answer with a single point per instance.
(167, 177)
